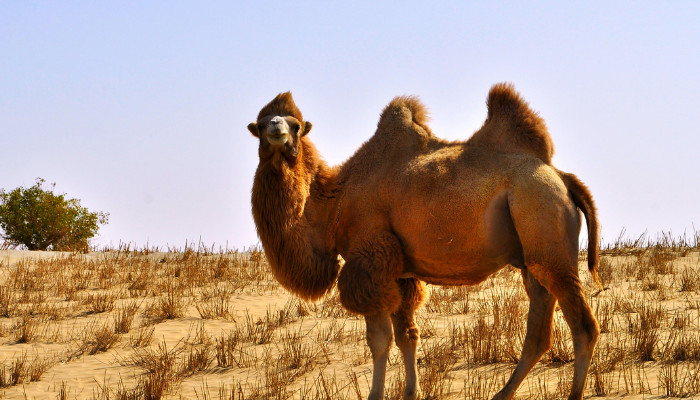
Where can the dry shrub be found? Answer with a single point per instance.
(63, 392)
(214, 307)
(140, 282)
(604, 315)
(602, 382)
(482, 386)
(644, 343)
(485, 344)
(261, 331)
(162, 370)
(680, 321)
(329, 307)
(95, 339)
(142, 337)
(319, 387)
(170, 306)
(8, 303)
(197, 359)
(624, 304)
(448, 300)
(124, 317)
(226, 347)
(689, 280)
(23, 370)
(295, 357)
(682, 346)
(562, 350)
(25, 329)
(651, 317)
(333, 332)
(436, 362)
(606, 273)
(52, 312)
(562, 388)
(644, 332)
(99, 303)
(651, 282)
(498, 341)
(680, 380)
(661, 259)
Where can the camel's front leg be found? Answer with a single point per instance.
(379, 338)
(407, 333)
(367, 285)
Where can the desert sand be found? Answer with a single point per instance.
(201, 325)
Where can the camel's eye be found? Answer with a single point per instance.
(295, 128)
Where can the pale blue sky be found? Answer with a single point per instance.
(140, 108)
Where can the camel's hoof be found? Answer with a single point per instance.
(411, 395)
(375, 396)
(500, 396)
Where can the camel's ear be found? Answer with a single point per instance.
(307, 128)
(253, 128)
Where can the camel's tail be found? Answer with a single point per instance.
(584, 201)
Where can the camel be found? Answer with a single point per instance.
(409, 208)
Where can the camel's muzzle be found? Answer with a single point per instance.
(277, 137)
(278, 132)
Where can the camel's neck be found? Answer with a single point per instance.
(292, 208)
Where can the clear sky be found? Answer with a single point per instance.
(140, 108)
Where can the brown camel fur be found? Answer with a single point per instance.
(409, 208)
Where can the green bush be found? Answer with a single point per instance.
(41, 220)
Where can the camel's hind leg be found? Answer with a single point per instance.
(407, 333)
(548, 225)
(562, 281)
(538, 338)
(584, 327)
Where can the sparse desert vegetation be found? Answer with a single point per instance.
(214, 324)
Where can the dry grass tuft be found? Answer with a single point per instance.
(124, 317)
(23, 370)
(95, 338)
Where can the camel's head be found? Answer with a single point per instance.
(280, 127)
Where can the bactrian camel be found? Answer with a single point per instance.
(409, 208)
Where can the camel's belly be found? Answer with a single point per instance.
(460, 244)
(448, 273)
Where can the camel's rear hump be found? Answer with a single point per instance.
(512, 126)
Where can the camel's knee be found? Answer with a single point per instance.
(407, 336)
(590, 330)
(379, 334)
(584, 326)
(544, 342)
(405, 329)
(566, 288)
(379, 344)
